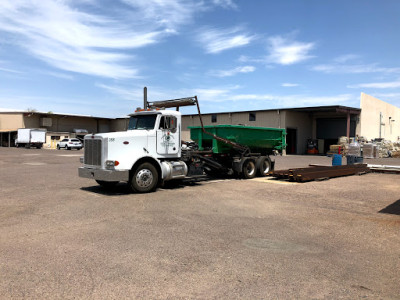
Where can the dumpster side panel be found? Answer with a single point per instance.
(258, 139)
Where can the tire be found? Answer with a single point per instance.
(68, 148)
(58, 147)
(249, 169)
(107, 184)
(144, 178)
(263, 166)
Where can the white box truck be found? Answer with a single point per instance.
(31, 137)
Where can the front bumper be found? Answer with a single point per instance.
(105, 175)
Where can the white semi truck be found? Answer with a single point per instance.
(31, 137)
(150, 151)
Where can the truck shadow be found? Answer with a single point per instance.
(119, 189)
(124, 189)
(393, 208)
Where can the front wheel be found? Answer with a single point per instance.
(144, 178)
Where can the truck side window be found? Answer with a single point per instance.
(172, 123)
(168, 122)
(162, 122)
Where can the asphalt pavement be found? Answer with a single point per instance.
(64, 237)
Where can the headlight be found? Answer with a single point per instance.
(111, 164)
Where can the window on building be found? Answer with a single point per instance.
(252, 116)
(213, 118)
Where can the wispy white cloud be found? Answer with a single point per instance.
(58, 75)
(346, 57)
(131, 93)
(286, 51)
(214, 94)
(377, 85)
(395, 96)
(287, 84)
(10, 71)
(353, 69)
(232, 72)
(227, 4)
(351, 64)
(227, 96)
(66, 35)
(5, 68)
(218, 40)
(167, 14)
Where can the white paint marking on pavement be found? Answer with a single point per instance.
(34, 164)
(30, 154)
(70, 155)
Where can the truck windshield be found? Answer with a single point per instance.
(142, 122)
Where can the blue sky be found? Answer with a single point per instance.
(94, 57)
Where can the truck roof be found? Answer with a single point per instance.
(157, 112)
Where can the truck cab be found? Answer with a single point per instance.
(145, 154)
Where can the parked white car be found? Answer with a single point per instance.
(70, 144)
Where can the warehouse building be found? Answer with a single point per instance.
(58, 126)
(323, 124)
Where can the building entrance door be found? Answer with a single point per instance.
(291, 141)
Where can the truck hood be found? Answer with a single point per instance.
(122, 134)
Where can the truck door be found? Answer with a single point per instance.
(168, 138)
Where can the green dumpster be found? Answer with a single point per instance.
(259, 139)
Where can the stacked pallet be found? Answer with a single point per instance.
(335, 149)
(320, 172)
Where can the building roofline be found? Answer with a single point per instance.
(328, 108)
(11, 111)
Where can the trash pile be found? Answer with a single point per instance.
(377, 148)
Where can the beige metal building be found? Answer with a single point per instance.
(58, 126)
(325, 124)
(379, 119)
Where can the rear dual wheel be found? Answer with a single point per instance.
(260, 167)
(263, 166)
(249, 169)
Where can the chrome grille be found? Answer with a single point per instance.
(92, 152)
